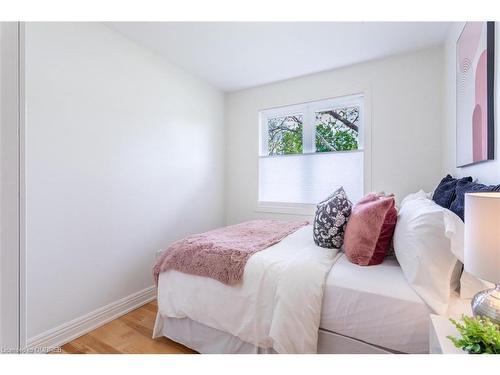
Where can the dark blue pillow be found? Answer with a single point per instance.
(457, 206)
(444, 194)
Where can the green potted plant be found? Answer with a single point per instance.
(479, 335)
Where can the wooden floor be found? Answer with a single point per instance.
(129, 334)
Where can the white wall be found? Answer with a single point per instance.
(406, 112)
(124, 154)
(487, 172)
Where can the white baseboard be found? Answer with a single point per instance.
(66, 332)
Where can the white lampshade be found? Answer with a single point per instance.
(482, 236)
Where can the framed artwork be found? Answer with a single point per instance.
(475, 63)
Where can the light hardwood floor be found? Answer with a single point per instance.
(130, 334)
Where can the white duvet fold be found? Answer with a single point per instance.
(278, 304)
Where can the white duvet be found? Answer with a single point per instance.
(278, 304)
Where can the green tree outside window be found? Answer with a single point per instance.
(336, 130)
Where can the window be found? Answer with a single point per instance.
(284, 134)
(308, 150)
(337, 129)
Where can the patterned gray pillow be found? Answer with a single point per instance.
(331, 219)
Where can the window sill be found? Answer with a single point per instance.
(286, 208)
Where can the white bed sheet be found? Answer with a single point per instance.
(372, 304)
(278, 304)
(208, 340)
(377, 305)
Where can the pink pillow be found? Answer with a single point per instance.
(369, 230)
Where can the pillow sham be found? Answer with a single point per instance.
(455, 231)
(370, 229)
(445, 191)
(470, 285)
(424, 252)
(463, 187)
(331, 219)
(418, 194)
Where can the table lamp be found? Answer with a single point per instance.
(482, 250)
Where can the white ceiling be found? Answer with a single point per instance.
(232, 55)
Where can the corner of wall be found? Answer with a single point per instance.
(225, 200)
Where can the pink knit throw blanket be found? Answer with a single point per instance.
(223, 253)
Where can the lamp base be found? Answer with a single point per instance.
(487, 304)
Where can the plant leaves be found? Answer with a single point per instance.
(479, 335)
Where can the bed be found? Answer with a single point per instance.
(364, 309)
(376, 305)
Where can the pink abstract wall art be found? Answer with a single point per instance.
(475, 115)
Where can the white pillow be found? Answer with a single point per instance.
(424, 251)
(455, 230)
(470, 285)
(418, 194)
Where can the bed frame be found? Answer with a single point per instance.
(208, 340)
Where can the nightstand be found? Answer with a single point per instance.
(440, 327)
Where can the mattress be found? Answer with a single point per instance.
(376, 305)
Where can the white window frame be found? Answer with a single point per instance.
(354, 97)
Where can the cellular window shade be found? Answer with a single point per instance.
(310, 178)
